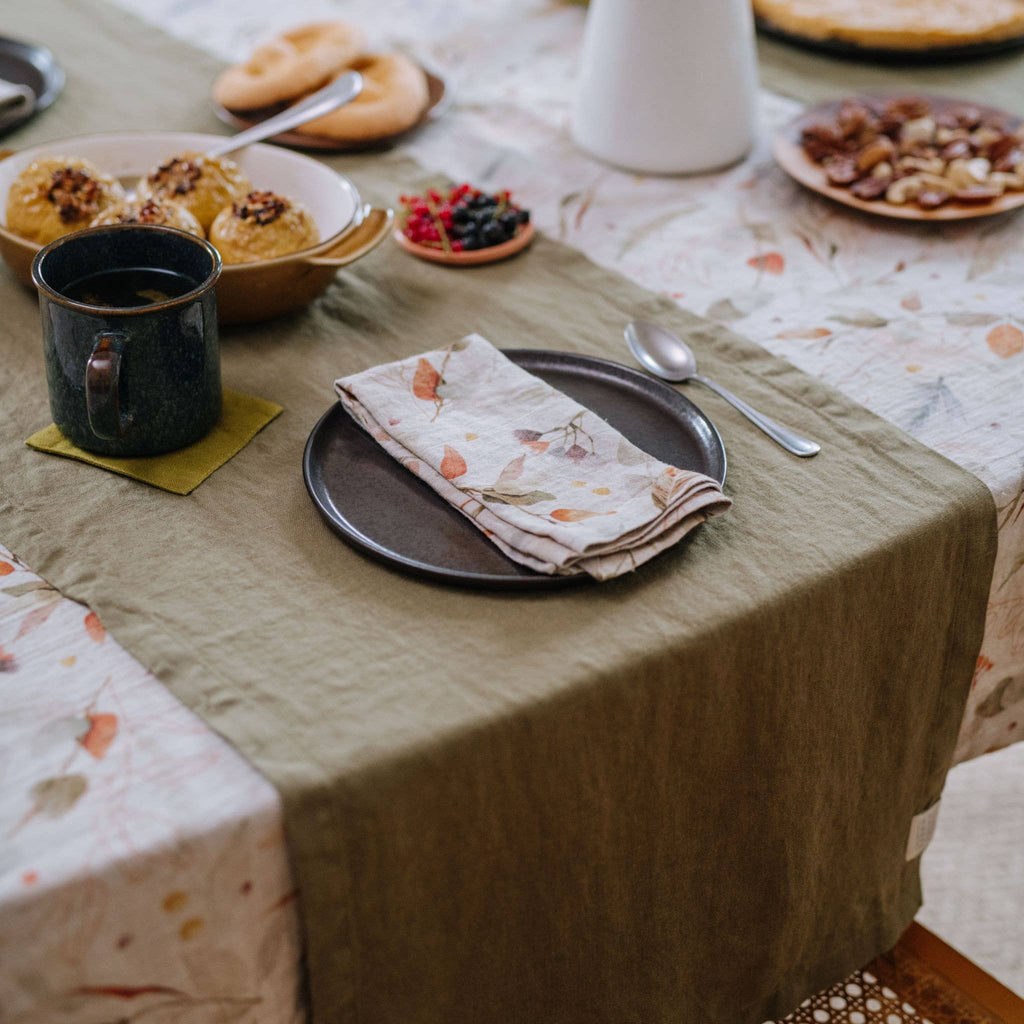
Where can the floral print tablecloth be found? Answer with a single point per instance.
(143, 874)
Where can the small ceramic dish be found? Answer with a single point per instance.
(439, 97)
(474, 257)
(246, 292)
(790, 155)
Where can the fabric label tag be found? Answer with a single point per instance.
(922, 828)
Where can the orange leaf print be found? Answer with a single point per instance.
(453, 464)
(96, 630)
(1005, 340)
(769, 262)
(425, 381)
(575, 515)
(102, 730)
(6, 568)
(805, 333)
(982, 665)
(540, 447)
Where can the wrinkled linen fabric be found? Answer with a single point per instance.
(681, 795)
(507, 450)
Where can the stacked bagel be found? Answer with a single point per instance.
(304, 59)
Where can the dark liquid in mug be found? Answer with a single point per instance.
(130, 287)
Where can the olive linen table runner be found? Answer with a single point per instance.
(682, 795)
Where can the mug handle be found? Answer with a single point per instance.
(102, 386)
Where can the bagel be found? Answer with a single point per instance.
(393, 99)
(290, 65)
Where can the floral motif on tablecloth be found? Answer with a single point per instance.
(102, 772)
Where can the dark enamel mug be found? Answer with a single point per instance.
(127, 379)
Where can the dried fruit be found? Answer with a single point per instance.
(875, 152)
(931, 198)
(870, 188)
(905, 152)
(977, 194)
(842, 170)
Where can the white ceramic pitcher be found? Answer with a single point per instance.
(667, 86)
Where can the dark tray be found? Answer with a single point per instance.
(379, 507)
(34, 66)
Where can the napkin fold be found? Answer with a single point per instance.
(182, 471)
(554, 486)
(15, 100)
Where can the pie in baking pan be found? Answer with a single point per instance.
(897, 24)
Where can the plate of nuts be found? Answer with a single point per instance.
(910, 157)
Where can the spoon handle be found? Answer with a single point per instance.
(789, 440)
(339, 92)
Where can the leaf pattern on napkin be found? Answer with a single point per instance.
(425, 381)
(512, 454)
(576, 515)
(453, 464)
(513, 496)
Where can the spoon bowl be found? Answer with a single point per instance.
(660, 352)
(665, 355)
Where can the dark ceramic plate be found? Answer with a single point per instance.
(439, 97)
(34, 66)
(379, 507)
(886, 55)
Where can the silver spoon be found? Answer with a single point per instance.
(336, 94)
(662, 353)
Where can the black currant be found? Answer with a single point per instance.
(492, 233)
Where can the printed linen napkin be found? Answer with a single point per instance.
(548, 481)
(15, 100)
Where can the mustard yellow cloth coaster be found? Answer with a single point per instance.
(180, 472)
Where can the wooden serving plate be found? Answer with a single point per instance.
(790, 155)
(474, 257)
(888, 55)
(439, 98)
